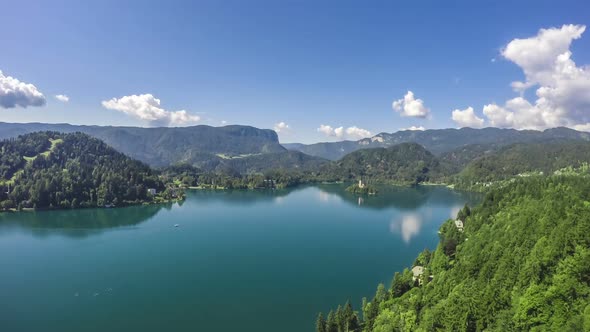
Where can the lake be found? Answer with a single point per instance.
(238, 260)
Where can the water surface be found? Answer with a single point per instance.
(239, 260)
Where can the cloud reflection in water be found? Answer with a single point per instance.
(326, 197)
(408, 226)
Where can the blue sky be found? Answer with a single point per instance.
(259, 63)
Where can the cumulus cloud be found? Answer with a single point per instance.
(358, 133)
(330, 131)
(419, 128)
(410, 106)
(16, 93)
(563, 88)
(282, 127)
(62, 98)
(353, 132)
(146, 107)
(467, 118)
(538, 56)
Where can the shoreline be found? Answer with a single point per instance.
(165, 201)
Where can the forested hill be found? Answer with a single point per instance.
(439, 141)
(521, 263)
(53, 170)
(521, 160)
(196, 145)
(407, 163)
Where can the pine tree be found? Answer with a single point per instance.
(372, 313)
(354, 324)
(381, 293)
(340, 319)
(320, 325)
(365, 308)
(331, 324)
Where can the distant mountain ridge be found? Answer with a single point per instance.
(164, 146)
(439, 141)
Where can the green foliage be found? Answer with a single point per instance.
(320, 325)
(345, 319)
(401, 283)
(71, 171)
(364, 190)
(189, 176)
(521, 264)
(407, 163)
(523, 160)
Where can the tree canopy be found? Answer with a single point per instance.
(521, 263)
(53, 170)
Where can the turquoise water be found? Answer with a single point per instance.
(238, 260)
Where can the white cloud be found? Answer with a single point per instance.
(326, 130)
(410, 106)
(353, 132)
(537, 55)
(62, 98)
(563, 88)
(178, 118)
(16, 93)
(146, 107)
(419, 128)
(331, 132)
(282, 127)
(467, 118)
(358, 133)
(582, 127)
(223, 122)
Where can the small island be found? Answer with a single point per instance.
(362, 189)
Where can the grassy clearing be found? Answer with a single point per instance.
(17, 174)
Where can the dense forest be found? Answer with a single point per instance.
(520, 262)
(187, 176)
(472, 167)
(407, 163)
(53, 170)
(522, 159)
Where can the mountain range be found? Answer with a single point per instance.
(439, 141)
(198, 145)
(244, 150)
